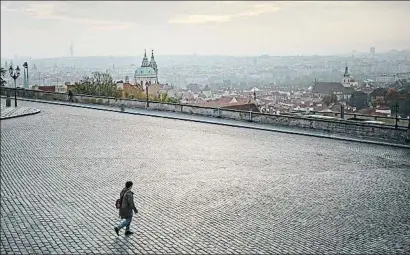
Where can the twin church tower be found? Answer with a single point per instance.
(147, 74)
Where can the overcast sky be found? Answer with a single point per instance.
(45, 29)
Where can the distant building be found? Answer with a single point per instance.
(384, 78)
(206, 91)
(147, 74)
(47, 88)
(61, 89)
(321, 89)
(229, 102)
(53, 88)
(193, 87)
(372, 52)
(348, 80)
(342, 90)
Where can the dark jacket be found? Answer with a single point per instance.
(127, 205)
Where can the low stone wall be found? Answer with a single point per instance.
(359, 130)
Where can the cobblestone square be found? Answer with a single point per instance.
(199, 188)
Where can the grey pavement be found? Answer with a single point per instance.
(199, 188)
(13, 112)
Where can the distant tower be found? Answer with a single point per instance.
(152, 63)
(372, 52)
(346, 74)
(148, 72)
(346, 77)
(71, 49)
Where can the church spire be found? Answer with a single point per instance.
(346, 74)
(152, 63)
(145, 59)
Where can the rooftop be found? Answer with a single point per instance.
(330, 87)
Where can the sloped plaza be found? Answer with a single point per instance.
(199, 188)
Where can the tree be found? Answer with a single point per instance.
(99, 84)
(3, 75)
(166, 99)
(379, 92)
(378, 101)
(173, 100)
(402, 98)
(392, 94)
(358, 100)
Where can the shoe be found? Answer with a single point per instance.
(117, 230)
(127, 233)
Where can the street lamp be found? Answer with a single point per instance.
(15, 73)
(408, 120)
(25, 65)
(396, 108)
(147, 84)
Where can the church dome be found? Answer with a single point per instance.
(145, 71)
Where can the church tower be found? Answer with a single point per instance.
(348, 80)
(346, 74)
(346, 77)
(147, 73)
(152, 63)
(145, 60)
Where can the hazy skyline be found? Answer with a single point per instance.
(46, 29)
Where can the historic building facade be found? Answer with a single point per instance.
(348, 80)
(147, 74)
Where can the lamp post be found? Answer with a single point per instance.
(408, 120)
(25, 65)
(15, 73)
(396, 108)
(146, 92)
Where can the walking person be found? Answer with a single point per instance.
(70, 96)
(126, 206)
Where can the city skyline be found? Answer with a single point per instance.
(46, 29)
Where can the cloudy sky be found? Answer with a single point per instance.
(45, 29)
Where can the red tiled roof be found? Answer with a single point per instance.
(128, 86)
(47, 88)
(225, 101)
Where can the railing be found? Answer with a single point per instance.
(389, 121)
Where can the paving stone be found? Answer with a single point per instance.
(200, 188)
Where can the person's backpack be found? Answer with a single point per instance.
(118, 203)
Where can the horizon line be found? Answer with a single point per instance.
(198, 55)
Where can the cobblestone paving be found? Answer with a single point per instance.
(200, 188)
(12, 112)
